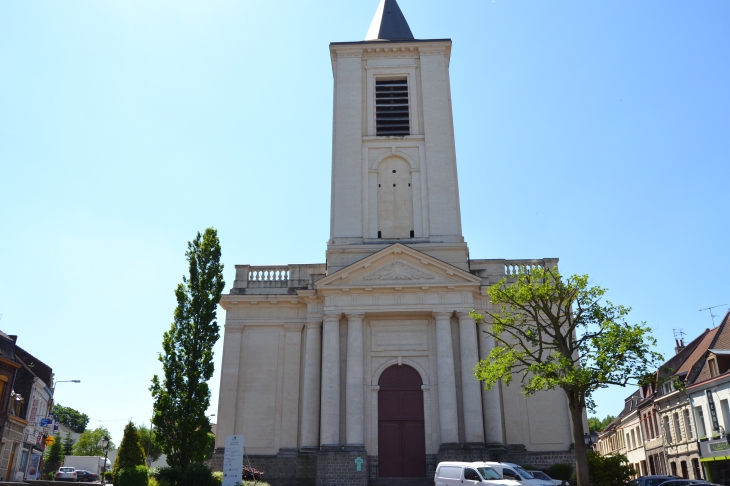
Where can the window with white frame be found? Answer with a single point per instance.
(688, 425)
(677, 428)
(668, 430)
(701, 431)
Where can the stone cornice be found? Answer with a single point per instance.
(405, 49)
(229, 301)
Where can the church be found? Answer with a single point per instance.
(359, 370)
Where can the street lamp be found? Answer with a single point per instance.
(105, 446)
(590, 439)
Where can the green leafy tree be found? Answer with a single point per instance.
(71, 418)
(557, 333)
(609, 470)
(68, 445)
(597, 425)
(131, 453)
(89, 443)
(150, 442)
(182, 396)
(54, 456)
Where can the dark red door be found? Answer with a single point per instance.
(401, 433)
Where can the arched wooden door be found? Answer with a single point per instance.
(401, 432)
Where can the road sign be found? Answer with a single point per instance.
(50, 440)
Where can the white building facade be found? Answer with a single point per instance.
(360, 369)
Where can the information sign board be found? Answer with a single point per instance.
(233, 460)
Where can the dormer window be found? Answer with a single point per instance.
(712, 364)
(392, 114)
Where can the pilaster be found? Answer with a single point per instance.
(471, 397)
(330, 416)
(311, 386)
(448, 420)
(355, 387)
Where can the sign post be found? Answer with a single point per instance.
(233, 461)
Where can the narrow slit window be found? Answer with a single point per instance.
(392, 116)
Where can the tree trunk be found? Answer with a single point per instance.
(581, 458)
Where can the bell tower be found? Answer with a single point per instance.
(394, 174)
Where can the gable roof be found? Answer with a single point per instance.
(398, 266)
(696, 350)
(721, 341)
(389, 23)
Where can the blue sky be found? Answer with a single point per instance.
(596, 132)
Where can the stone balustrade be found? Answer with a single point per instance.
(276, 279)
(512, 268)
(493, 270)
(278, 273)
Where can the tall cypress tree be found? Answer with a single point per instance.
(53, 457)
(68, 445)
(130, 453)
(182, 396)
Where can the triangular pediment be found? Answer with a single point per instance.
(398, 266)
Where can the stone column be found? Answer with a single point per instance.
(311, 386)
(471, 397)
(330, 421)
(448, 420)
(491, 399)
(354, 391)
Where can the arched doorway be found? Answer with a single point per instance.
(401, 433)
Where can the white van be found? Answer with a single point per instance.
(469, 473)
(514, 472)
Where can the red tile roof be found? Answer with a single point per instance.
(698, 352)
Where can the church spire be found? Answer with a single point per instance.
(389, 23)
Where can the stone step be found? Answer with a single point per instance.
(401, 482)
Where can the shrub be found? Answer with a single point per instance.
(560, 471)
(153, 482)
(109, 475)
(132, 476)
(218, 478)
(168, 476)
(197, 474)
(131, 452)
(611, 470)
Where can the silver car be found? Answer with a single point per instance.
(66, 474)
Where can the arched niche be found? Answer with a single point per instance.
(395, 198)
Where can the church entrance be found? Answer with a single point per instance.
(401, 432)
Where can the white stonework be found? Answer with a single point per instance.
(306, 345)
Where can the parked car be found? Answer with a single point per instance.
(83, 476)
(685, 482)
(470, 473)
(655, 480)
(65, 474)
(545, 477)
(512, 471)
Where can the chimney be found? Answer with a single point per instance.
(680, 346)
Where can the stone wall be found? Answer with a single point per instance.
(339, 469)
(538, 460)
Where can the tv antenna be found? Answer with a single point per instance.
(679, 334)
(711, 314)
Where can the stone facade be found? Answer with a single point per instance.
(307, 347)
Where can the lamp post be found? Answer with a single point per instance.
(591, 439)
(53, 390)
(105, 446)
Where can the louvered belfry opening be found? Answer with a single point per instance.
(391, 108)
